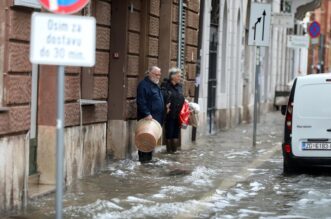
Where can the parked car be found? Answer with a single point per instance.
(282, 92)
(307, 131)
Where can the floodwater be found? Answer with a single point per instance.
(222, 176)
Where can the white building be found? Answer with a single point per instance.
(228, 64)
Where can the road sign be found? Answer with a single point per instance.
(314, 41)
(314, 29)
(63, 6)
(259, 24)
(294, 41)
(62, 40)
(281, 19)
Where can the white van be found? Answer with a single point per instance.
(307, 132)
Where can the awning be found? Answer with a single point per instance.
(302, 9)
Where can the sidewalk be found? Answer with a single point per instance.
(176, 184)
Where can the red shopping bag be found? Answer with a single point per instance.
(184, 114)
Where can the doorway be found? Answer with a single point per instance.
(213, 46)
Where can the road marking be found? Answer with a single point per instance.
(229, 182)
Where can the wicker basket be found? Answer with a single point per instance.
(147, 134)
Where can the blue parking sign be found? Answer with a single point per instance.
(314, 29)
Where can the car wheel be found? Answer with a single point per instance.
(288, 166)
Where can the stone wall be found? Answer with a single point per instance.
(85, 146)
(16, 71)
(13, 171)
(85, 152)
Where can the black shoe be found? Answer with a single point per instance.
(145, 157)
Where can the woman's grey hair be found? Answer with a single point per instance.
(174, 71)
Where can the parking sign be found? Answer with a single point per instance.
(62, 40)
(63, 6)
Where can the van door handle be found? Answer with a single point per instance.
(329, 130)
(317, 139)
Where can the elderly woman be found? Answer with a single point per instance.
(174, 99)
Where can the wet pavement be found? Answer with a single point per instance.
(222, 176)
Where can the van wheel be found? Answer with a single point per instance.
(288, 166)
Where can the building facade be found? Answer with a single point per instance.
(207, 39)
(228, 65)
(100, 108)
(320, 52)
(220, 79)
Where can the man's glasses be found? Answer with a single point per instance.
(157, 74)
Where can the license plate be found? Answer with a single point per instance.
(316, 145)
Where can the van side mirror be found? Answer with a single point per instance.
(283, 109)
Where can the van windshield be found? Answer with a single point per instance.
(313, 100)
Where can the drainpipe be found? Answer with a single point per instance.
(180, 16)
(31, 136)
(34, 91)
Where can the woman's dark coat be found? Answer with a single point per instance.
(173, 94)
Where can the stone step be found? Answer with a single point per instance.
(34, 179)
(37, 190)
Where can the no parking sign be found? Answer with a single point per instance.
(63, 6)
(314, 29)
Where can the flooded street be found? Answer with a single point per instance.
(222, 176)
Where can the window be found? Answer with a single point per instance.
(313, 101)
(285, 6)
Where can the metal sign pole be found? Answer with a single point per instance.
(59, 141)
(34, 96)
(313, 61)
(256, 93)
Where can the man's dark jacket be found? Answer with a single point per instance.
(150, 100)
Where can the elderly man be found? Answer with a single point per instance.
(150, 104)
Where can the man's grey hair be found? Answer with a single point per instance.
(153, 68)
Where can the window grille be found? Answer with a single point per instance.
(181, 35)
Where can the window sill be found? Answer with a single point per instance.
(4, 109)
(85, 102)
